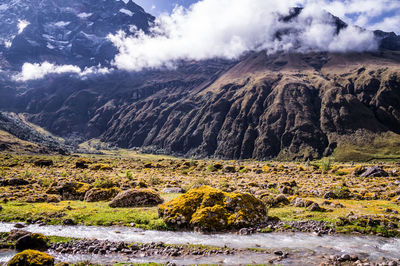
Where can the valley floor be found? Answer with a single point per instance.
(318, 198)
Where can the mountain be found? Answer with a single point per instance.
(66, 31)
(286, 105)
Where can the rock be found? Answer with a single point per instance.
(43, 163)
(173, 190)
(298, 202)
(281, 199)
(375, 171)
(72, 190)
(315, 208)
(208, 209)
(15, 234)
(136, 198)
(81, 164)
(19, 225)
(229, 169)
(101, 194)
(330, 195)
(32, 241)
(277, 201)
(344, 257)
(278, 252)
(69, 222)
(31, 258)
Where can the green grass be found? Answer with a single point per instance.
(364, 207)
(362, 147)
(87, 213)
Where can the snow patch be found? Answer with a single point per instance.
(3, 7)
(126, 12)
(84, 15)
(22, 24)
(62, 23)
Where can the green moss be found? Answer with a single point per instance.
(31, 258)
(210, 209)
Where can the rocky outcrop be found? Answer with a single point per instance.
(209, 209)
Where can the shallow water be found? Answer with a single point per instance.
(299, 244)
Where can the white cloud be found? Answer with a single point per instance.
(38, 71)
(22, 24)
(230, 28)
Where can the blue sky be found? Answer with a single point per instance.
(156, 7)
(370, 14)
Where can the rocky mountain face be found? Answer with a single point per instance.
(288, 106)
(264, 107)
(66, 31)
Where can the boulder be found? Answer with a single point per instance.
(136, 198)
(315, 208)
(208, 209)
(273, 202)
(32, 241)
(31, 258)
(375, 171)
(101, 194)
(43, 163)
(71, 190)
(298, 202)
(173, 190)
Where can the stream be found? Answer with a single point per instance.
(303, 248)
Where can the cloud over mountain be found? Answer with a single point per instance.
(230, 28)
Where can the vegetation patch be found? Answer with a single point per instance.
(209, 209)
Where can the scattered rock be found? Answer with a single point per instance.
(208, 209)
(136, 198)
(31, 258)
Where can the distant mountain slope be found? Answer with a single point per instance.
(66, 31)
(290, 106)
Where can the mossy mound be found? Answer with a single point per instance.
(31, 258)
(208, 209)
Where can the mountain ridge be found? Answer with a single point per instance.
(283, 105)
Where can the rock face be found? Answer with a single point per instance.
(67, 31)
(136, 198)
(208, 209)
(31, 258)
